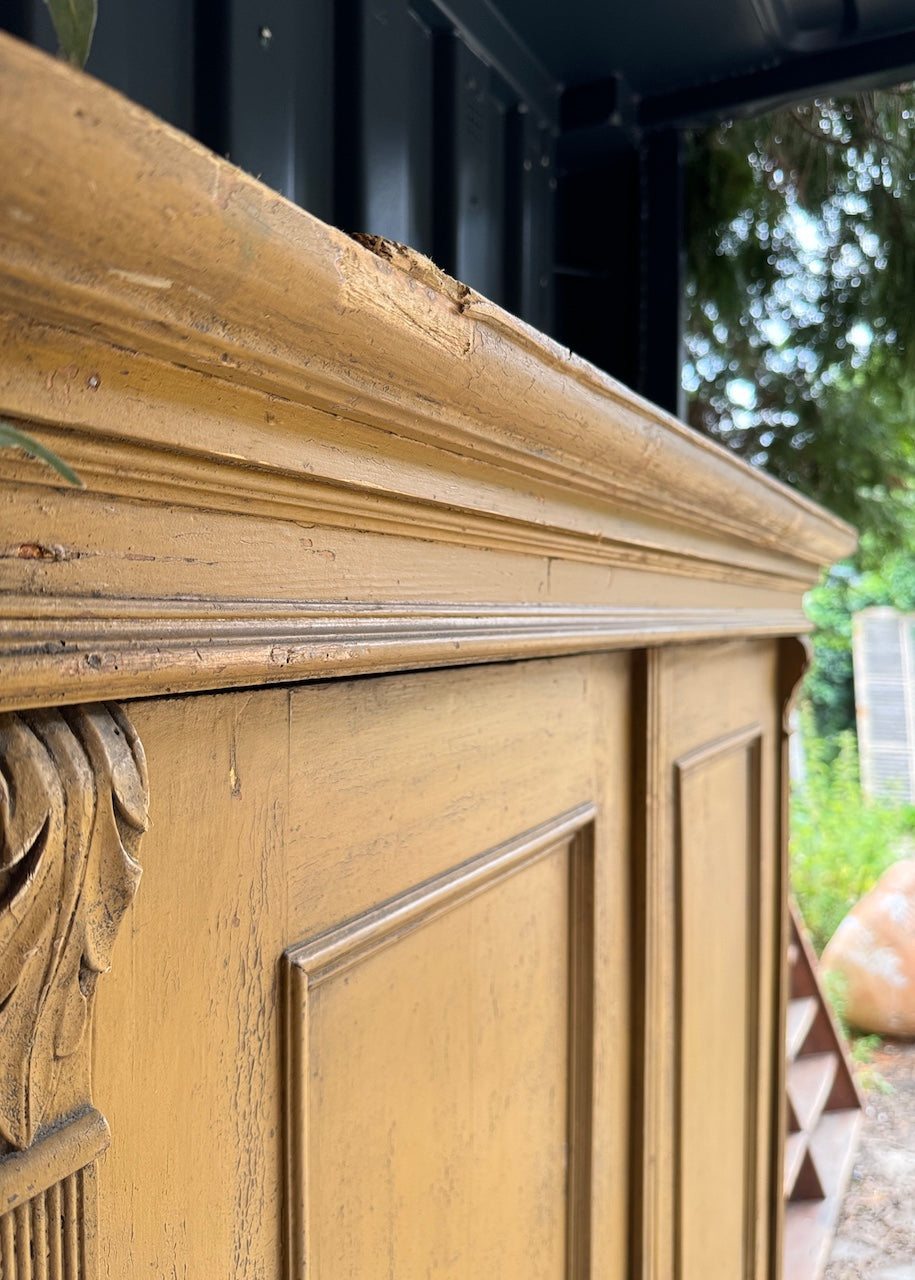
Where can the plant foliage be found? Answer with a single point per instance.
(877, 576)
(12, 438)
(841, 843)
(74, 22)
(800, 328)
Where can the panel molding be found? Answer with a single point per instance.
(747, 741)
(310, 964)
(653, 1151)
(581, 1053)
(68, 649)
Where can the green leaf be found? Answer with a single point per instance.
(74, 22)
(10, 438)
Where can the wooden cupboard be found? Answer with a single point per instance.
(398, 713)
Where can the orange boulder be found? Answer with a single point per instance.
(873, 954)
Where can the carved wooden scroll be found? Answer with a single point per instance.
(73, 806)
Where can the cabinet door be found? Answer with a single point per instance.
(377, 983)
(711, 960)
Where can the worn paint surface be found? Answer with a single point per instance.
(309, 459)
(436, 1072)
(305, 453)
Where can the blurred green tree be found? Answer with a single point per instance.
(800, 335)
(800, 327)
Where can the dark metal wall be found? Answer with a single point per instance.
(428, 122)
(377, 115)
(432, 122)
(619, 269)
(145, 50)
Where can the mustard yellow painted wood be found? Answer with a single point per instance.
(468, 971)
(72, 813)
(712, 960)
(432, 1048)
(303, 454)
(443, 860)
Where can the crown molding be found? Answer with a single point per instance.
(239, 382)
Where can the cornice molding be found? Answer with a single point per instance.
(115, 226)
(283, 431)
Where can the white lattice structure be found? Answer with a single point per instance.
(884, 662)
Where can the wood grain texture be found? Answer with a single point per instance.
(718, 820)
(322, 804)
(441, 1046)
(192, 1182)
(272, 419)
(707, 962)
(654, 1131)
(306, 459)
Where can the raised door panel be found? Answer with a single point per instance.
(711, 961)
(376, 982)
(442, 1070)
(718, 838)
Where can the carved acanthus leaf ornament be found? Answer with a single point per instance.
(73, 806)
